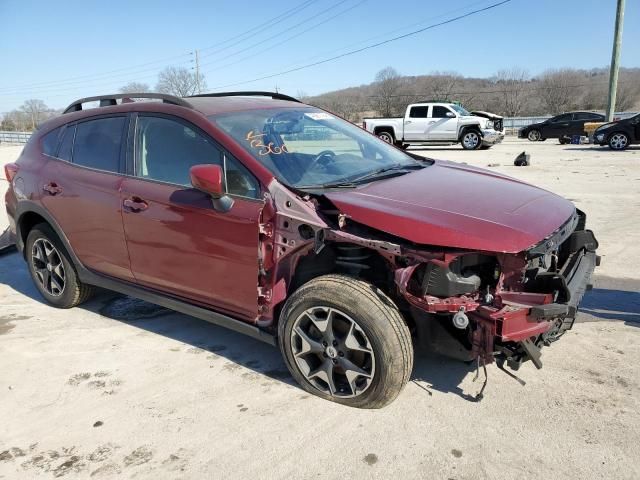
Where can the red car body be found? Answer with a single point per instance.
(168, 245)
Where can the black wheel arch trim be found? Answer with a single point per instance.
(159, 298)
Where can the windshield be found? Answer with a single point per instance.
(306, 147)
(461, 111)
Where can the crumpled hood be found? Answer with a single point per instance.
(489, 115)
(456, 205)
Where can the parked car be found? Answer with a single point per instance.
(562, 127)
(336, 246)
(427, 123)
(619, 135)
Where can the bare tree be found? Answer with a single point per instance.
(440, 85)
(36, 110)
(135, 87)
(180, 82)
(386, 88)
(512, 85)
(560, 90)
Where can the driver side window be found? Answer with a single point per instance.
(166, 149)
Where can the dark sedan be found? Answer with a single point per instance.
(561, 126)
(618, 135)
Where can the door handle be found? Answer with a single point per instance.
(407, 121)
(52, 188)
(135, 204)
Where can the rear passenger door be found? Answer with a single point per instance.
(416, 126)
(178, 242)
(81, 189)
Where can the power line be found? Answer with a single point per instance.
(287, 39)
(368, 47)
(134, 70)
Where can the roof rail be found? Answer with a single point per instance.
(109, 100)
(274, 95)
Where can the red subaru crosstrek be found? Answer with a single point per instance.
(280, 220)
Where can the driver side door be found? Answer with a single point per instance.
(178, 243)
(445, 124)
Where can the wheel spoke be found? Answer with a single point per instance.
(56, 287)
(325, 325)
(353, 372)
(352, 343)
(59, 271)
(325, 372)
(46, 279)
(309, 345)
(39, 253)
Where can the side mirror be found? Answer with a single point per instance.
(451, 115)
(209, 179)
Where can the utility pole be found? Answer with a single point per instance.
(198, 73)
(615, 61)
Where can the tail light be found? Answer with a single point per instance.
(10, 171)
(364, 125)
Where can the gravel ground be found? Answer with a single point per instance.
(119, 387)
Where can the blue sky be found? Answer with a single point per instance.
(62, 50)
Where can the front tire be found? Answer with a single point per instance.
(534, 135)
(618, 141)
(52, 270)
(344, 340)
(471, 140)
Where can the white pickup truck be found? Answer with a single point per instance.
(429, 122)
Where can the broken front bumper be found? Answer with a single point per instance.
(521, 324)
(491, 137)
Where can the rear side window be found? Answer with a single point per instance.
(50, 142)
(586, 116)
(419, 112)
(66, 144)
(562, 118)
(98, 143)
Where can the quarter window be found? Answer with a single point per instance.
(50, 142)
(98, 142)
(66, 144)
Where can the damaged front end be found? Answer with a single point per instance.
(502, 306)
(470, 305)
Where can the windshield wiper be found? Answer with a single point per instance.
(397, 169)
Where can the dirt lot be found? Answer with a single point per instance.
(123, 387)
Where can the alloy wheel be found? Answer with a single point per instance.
(534, 135)
(471, 140)
(618, 141)
(332, 352)
(385, 137)
(48, 267)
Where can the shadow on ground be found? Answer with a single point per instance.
(431, 372)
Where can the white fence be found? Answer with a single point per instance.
(14, 137)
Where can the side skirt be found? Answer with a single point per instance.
(177, 305)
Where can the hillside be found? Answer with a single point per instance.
(510, 92)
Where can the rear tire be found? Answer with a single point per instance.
(534, 135)
(52, 269)
(386, 137)
(344, 340)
